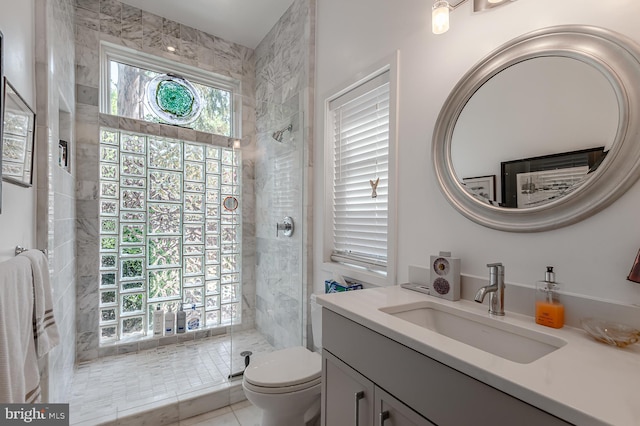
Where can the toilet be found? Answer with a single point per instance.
(286, 384)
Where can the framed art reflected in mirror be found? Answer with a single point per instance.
(19, 122)
(535, 181)
(482, 186)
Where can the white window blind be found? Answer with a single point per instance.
(360, 125)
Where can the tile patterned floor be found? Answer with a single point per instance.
(110, 388)
(240, 414)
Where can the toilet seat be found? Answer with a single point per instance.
(284, 371)
(283, 389)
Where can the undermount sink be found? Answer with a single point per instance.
(491, 335)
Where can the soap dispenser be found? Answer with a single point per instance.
(549, 310)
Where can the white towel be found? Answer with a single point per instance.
(19, 374)
(45, 330)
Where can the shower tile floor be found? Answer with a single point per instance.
(164, 385)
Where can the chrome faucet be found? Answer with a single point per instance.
(495, 289)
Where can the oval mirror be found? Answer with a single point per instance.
(542, 132)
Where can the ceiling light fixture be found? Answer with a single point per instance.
(441, 8)
(440, 17)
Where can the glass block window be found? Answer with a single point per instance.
(165, 236)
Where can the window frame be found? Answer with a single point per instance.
(113, 52)
(361, 273)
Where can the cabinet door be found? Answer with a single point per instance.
(347, 396)
(391, 412)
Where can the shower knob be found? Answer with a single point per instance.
(286, 227)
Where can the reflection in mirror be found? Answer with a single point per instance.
(541, 107)
(535, 181)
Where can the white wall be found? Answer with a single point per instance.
(17, 221)
(592, 257)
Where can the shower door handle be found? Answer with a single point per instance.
(286, 227)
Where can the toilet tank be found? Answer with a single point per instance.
(316, 323)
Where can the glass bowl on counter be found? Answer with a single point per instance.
(609, 332)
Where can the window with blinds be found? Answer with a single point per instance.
(359, 122)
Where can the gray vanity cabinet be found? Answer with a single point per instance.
(349, 398)
(412, 387)
(391, 412)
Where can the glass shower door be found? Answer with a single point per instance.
(273, 295)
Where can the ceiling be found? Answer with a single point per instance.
(245, 22)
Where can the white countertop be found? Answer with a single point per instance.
(584, 382)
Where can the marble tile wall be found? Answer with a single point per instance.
(121, 24)
(55, 108)
(284, 90)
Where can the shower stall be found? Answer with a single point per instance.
(247, 252)
(271, 207)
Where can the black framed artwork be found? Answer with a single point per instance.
(531, 182)
(18, 138)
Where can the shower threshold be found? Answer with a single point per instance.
(162, 385)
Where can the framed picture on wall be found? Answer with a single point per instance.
(19, 127)
(483, 186)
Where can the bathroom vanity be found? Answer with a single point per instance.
(382, 362)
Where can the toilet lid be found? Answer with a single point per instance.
(286, 367)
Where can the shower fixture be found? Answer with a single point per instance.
(278, 135)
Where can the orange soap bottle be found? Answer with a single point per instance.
(549, 310)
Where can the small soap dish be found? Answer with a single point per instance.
(609, 332)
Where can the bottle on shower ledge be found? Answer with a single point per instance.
(181, 320)
(194, 318)
(169, 322)
(158, 321)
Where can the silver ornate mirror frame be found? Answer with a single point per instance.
(618, 59)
